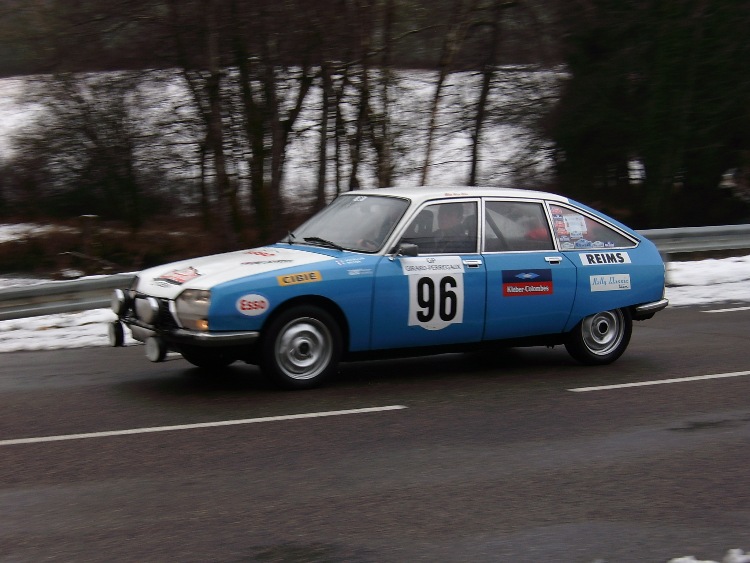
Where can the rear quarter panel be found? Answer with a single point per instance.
(612, 279)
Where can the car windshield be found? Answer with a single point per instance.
(352, 222)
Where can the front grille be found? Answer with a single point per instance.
(165, 319)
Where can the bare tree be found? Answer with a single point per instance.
(489, 66)
(454, 38)
(90, 149)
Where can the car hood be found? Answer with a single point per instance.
(169, 280)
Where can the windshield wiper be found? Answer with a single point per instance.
(323, 242)
(290, 238)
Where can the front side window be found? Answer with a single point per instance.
(576, 231)
(512, 226)
(444, 228)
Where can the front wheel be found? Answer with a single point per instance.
(600, 338)
(301, 347)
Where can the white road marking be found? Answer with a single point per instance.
(730, 310)
(660, 382)
(198, 425)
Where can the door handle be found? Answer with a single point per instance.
(553, 259)
(472, 263)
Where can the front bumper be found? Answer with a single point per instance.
(143, 332)
(161, 322)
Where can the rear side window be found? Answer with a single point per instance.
(512, 226)
(576, 231)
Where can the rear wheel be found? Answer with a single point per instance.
(207, 358)
(301, 347)
(600, 338)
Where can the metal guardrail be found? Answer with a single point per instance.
(94, 293)
(60, 297)
(699, 239)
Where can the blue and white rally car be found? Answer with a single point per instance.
(421, 269)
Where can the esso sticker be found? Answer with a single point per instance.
(252, 305)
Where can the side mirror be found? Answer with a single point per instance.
(407, 249)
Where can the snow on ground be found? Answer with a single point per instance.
(21, 230)
(690, 283)
(709, 281)
(732, 556)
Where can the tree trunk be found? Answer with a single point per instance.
(384, 145)
(488, 74)
(326, 87)
(453, 41)
(255, 131)
(227, 201)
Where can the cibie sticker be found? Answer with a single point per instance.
(300, 277)
(611, 282)
(597, 258)
(436, 291)
(252, 305)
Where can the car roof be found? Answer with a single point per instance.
(420, 194)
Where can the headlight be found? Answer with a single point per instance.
(147, 309)
(119, 302)
(191, 308)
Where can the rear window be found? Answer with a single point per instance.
(576, 231)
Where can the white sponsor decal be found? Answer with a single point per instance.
(265, 252)
(360, 271)
(599, 258)
(350, 261)
(436, 291)
(432, 265)
(575, 224)
(610, 282)
(178, 277)
(252, 305)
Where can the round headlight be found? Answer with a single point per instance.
(119, 302)
(147, 309)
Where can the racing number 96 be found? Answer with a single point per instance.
(443, 299)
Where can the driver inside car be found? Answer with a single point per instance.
(451, 235)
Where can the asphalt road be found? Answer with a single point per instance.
(492, 458)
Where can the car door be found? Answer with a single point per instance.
(436, 297)
(531, 286)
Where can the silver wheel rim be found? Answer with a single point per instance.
(603, 332)
(304, 348)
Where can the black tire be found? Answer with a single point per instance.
(600, 338)
(207, 358)
(116, 334)
(301, 347)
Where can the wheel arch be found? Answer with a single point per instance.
(319, 301)
(589, 345)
